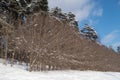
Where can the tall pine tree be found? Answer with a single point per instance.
(44, 5)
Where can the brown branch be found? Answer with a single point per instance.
(5, 23)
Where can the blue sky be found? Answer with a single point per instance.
(103, 15)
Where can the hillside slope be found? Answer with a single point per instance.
(57, 45)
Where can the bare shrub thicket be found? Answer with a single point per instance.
(46, 43)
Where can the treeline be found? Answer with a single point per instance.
(16, 47)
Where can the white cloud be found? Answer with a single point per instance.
(81, 8)
(83, 13)
(91, 21)
(68, 5)
(118, 2)
(110, 37)
(116, 44)
(98, 12)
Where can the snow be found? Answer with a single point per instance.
(18, 72)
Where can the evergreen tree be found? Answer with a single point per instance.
(44, 5)
(118, 49)
(71, 19)
(56, 11)
(71, 16)
(89, 32)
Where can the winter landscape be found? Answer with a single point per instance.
(18, 72)
(59, 40)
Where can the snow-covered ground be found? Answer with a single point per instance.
(19, 73)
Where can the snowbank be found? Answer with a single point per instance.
(19, 73)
